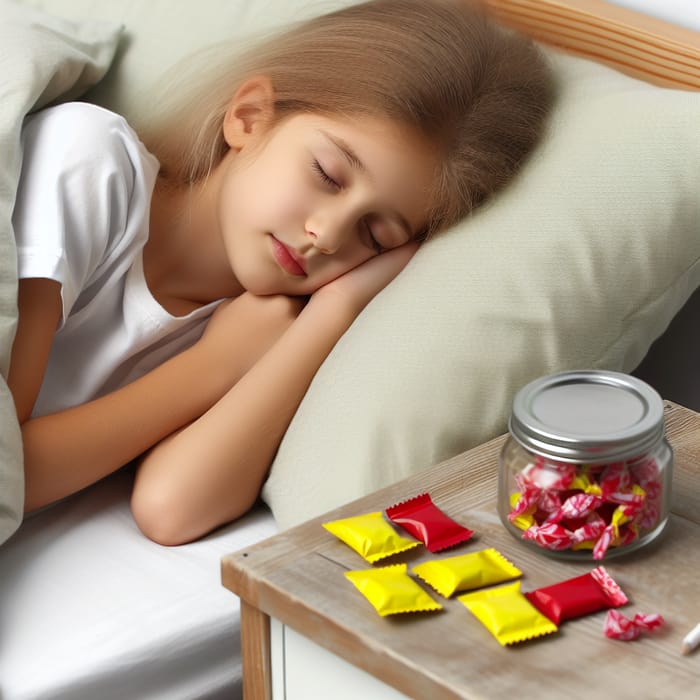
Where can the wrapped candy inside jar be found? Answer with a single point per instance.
(586, 470)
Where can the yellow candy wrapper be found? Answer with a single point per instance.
(466, 571)
(507, 614)
(524, 520)
(391, 590)
(370, 535)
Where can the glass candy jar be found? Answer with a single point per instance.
(586, 470)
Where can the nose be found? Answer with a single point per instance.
(327, 231)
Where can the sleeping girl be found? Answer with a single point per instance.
(176, 299)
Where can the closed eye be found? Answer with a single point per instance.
(376, 245)
(325, 178)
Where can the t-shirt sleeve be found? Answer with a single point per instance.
(80, 166)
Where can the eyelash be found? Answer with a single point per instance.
(378, 247)
(324, 176)
(326, 179)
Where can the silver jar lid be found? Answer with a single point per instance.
(587, 416)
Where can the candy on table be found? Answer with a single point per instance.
(391, 590)
(370, 535)
(577, 596)
(617, 626)
(466, 571)
(507, 613)
(424, 520)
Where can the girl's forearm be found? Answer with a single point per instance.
(66, 451)
(211, 472)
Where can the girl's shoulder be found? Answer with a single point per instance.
(83, 117)
(84, 131)
(84, 191)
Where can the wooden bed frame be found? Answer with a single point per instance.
(641, 46)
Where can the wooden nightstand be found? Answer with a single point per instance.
(307, 633)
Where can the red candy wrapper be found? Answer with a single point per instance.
(617, 626)
(578, 596)
(425, 521)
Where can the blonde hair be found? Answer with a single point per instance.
(479, 92)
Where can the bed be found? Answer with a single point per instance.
(91, 609)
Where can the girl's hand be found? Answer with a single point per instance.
(356, 288)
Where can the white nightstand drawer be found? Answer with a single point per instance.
(303, 670)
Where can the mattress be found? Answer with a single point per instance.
(90, 608)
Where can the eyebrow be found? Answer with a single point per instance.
(345, 149)
(356, 163)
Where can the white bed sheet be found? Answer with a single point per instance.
(89, 608)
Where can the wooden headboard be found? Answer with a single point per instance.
(634, 43)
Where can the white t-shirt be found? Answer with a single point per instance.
(81, 218)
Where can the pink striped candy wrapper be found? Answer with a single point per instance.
(617, 626)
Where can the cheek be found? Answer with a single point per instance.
(278, 198)
(289, 205)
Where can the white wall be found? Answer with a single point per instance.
(683, 12)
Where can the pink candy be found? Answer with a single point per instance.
(550, 535)
(603, 542)
(570, 506)
(617, 626)
(577, 506)
(615, 478)
(544, 475)
(592, 529)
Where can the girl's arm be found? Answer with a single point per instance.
(211, 472)
(71, 449)
(39, 305)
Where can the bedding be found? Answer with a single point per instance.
(43, 58)
(90, 609)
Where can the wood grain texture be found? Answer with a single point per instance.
(641, 46)
(255, 648)
(297, 577)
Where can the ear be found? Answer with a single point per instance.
(249, 112)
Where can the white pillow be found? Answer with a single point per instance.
(582, 262)
(43, 59)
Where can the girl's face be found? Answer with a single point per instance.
(304, 202)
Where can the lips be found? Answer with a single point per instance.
(287, 259)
